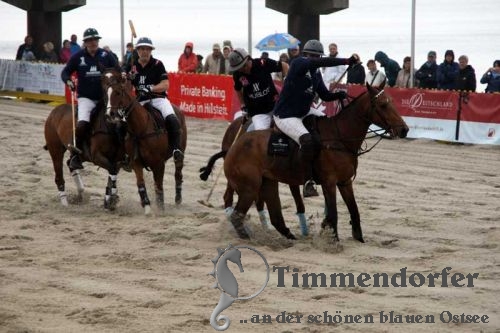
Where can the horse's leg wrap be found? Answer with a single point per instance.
(111, 196)
(304, 229)
(174, 136)
(237, 222)
(143, 194)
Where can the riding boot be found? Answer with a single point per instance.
(307, 152)
(75, 162)
(174, 136)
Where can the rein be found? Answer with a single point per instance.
(362, 150)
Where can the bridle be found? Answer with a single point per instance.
(122, 110)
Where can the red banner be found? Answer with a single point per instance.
(484, 108)
(203, 96)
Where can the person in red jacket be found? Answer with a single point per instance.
(188, 60)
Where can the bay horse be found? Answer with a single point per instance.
(253, 173)
(236, 128)
(102, 147)
(147, 139)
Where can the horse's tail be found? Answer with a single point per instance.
(206, 170)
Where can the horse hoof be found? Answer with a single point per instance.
(178, 199)
(291, 236)
(147, 210)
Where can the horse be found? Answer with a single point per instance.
(147, 139)
(103, 148)
(238, 126)
(253, 173)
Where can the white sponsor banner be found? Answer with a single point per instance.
(32, 77)
(431, 128)
(479, 133)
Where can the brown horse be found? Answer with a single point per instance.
(147, 139)
(103, 148)
(253, 173)
(236, 128)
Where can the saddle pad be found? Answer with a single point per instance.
(279, 144)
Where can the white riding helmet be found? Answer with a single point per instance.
(237, 59)
(145, 41)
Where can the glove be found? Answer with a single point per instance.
(340, 95)
(353, 60)
(71, 85)
(146, 90)
(244, 113)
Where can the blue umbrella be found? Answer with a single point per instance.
(276, 42)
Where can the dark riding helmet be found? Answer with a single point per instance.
(145, 41)
(313, 46)
(90, 33)
(237, 59)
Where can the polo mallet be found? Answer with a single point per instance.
(132, 30)
(207, 201)
(73, 114)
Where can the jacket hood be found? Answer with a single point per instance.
(451, 53)
(189, 44)
(381, 57)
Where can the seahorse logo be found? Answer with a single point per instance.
(227, 283)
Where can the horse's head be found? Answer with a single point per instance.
(383, 113)
(116, 96)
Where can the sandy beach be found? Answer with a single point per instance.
(424, 205)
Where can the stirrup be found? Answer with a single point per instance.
(309, 189)
(178, 155)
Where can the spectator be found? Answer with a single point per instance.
(356, 74)
(264, 55)
(214, 63)
(129, 54)
(226, 50)
(466, 79)
(403, 79)
(26, 51)
(278, 76)
(447, 71)
(65, 52)
(228, 43)
(48, 54)
(374, 77)
(492, 78)
(427, 74)
(75, 47)
(391, 67)
(108, 49)
(199, 68)
(188, 62)
(333, 74)
(293, 53)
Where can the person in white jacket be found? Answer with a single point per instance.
(374, 77)
(332, 74)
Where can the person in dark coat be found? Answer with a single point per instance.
(427, 74)
(447, 72)
(466, 79)
(492, 78)
(391, 67)
(356, 75)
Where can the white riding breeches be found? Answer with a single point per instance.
(162, 104)
(293, 127)
(260, 122)
(85, 107)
